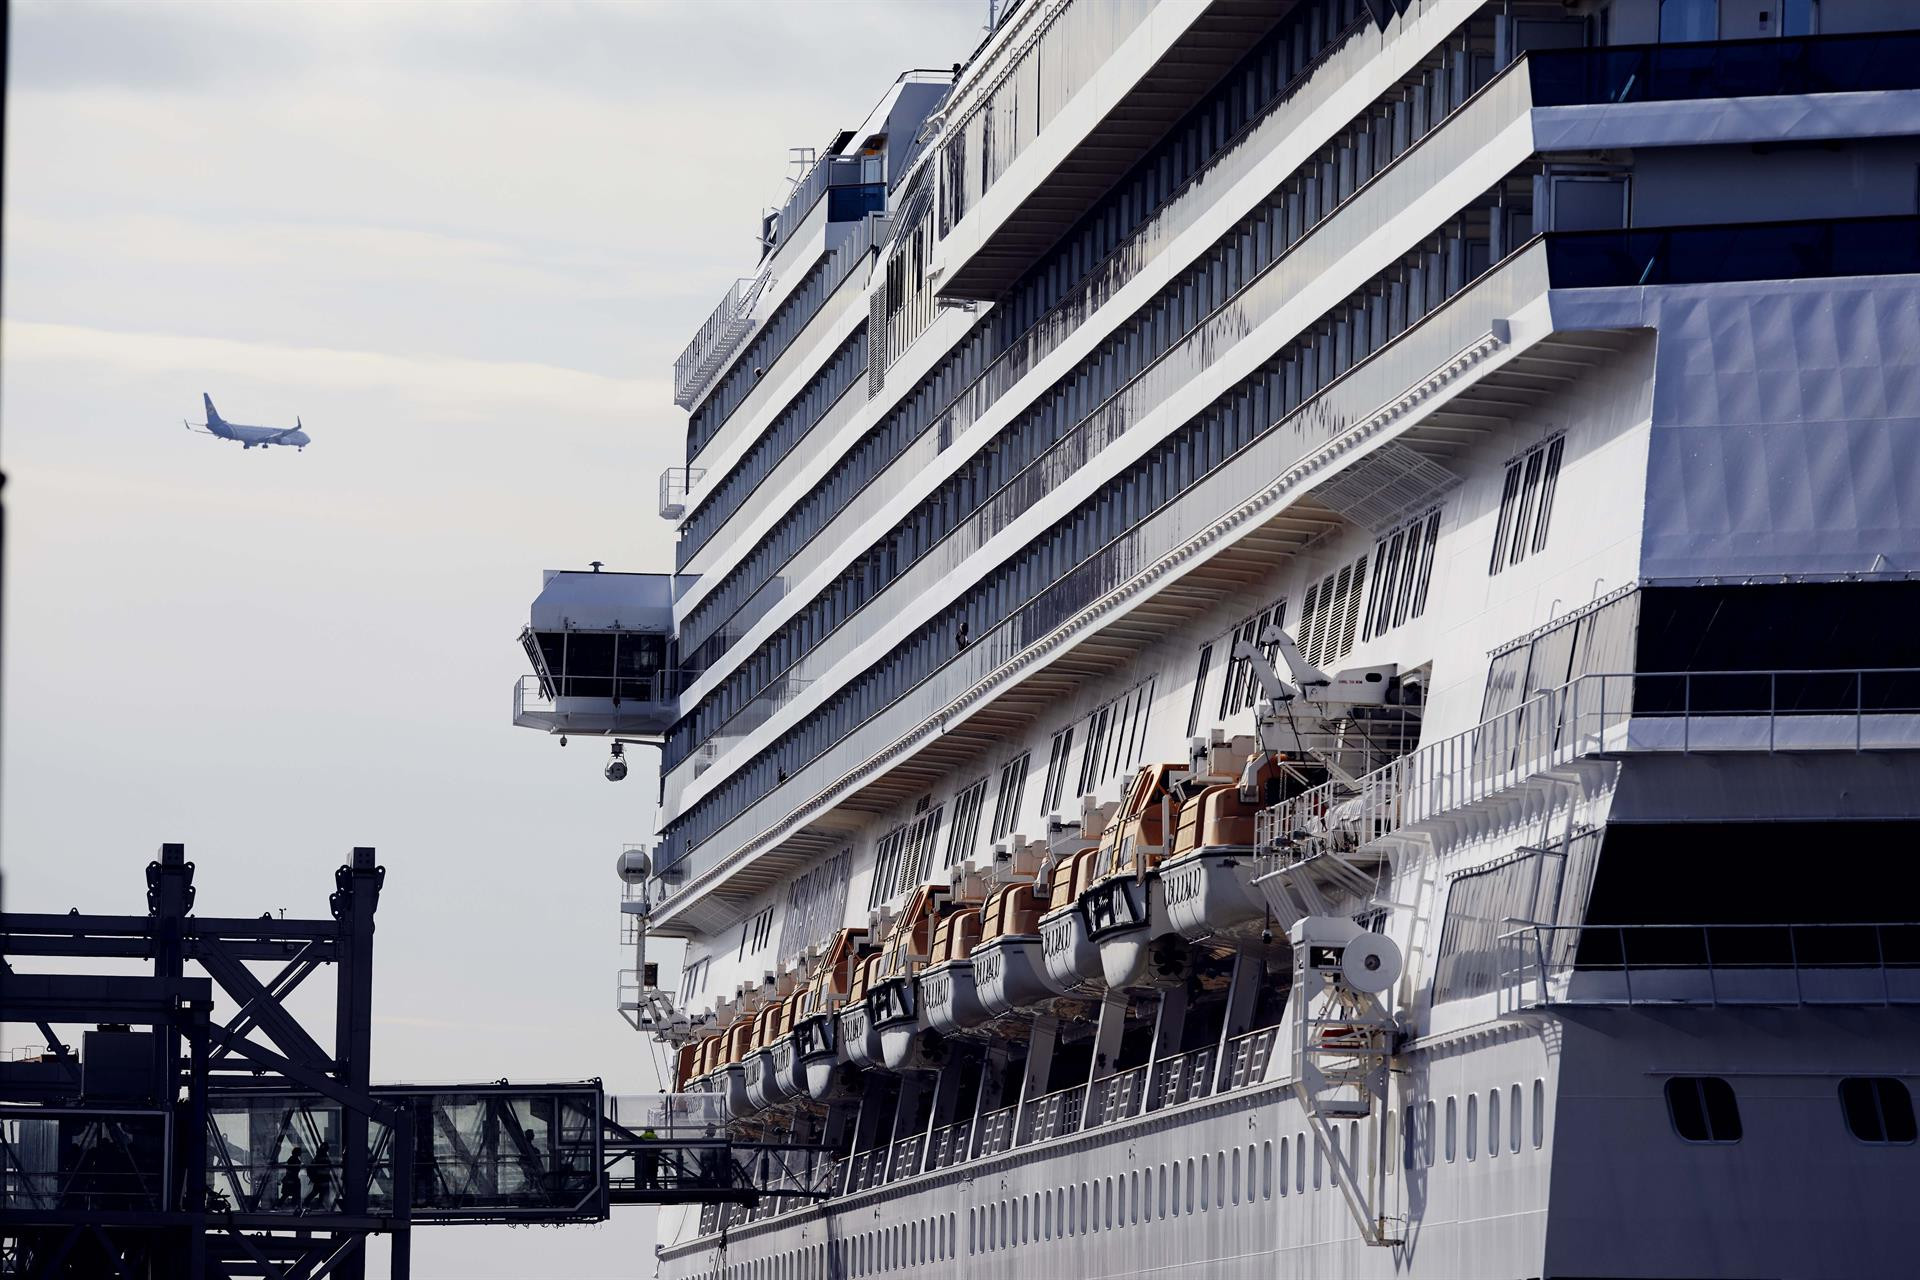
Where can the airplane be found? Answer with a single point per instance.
(248, 437)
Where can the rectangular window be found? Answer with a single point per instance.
(1703, 1109)
(1193, 712)
(694, 981)
(1547, 487)
(1877, 1109)
(1013, 780)
(755, 934)
(1056, 771)
(966, 822)
(1526, 504)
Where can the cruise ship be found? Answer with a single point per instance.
(1285, 615)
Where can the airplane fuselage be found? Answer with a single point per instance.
(251, 436)
(262, 436)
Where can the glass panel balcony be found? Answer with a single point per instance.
(1870, 62)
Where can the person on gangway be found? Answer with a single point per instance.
(290, 1181)
(320, 1177)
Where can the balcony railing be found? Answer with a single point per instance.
(1717, 254)
(996, 1130)
(1184, 1079)
(950, 1144)
(1864, 63)
(716, 339)
(1715, 964)
(1247, 1057)
(1118, 1097)
(1608, 713)
(1054, 1115)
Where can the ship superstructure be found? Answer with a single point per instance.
(1285, 617)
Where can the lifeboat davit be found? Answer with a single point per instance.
(1009, 966)
(907, 1042)
(1125, 906)
(1072, 960)
(758, 1063)
(730, 1072)
(786, 1079)
(825, 1068)
(1208, 882)
(859, 1034)
(949, 985)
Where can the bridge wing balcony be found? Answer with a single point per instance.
(600, 645)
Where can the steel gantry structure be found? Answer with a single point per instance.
(171, 1145)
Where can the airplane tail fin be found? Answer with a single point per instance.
(213, 414)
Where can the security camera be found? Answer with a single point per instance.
(617, 766)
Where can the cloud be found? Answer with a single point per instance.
(433, 383)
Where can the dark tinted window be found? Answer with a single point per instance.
(1703, 1109)
(1877, 1108)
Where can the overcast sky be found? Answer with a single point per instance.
(463, 244)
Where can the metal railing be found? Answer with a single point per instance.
(1247, 1057)
(1053, 1115)
(675, 484)
(1117, 1097)
(1183, 1078)
(996, 1130)
(1715, 964)
(903, 1160)
(716, 338)
(1603, 713)
(949, 1144)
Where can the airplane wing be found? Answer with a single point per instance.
(278, 436)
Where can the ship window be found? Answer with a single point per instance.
(1319, 1156)
(1133, 1196)
(1285, 1166)
(1877, 1109)
(1299, 1162)
(1513, 1119)
(1473, 1125)
(1046, 1214)
(1703, 1109)
(965, 830)
(973, 1225)
(1206, 1181)
(1403, 568)
(1236, 1175)
(1453, 1117)
(1526, 504)
(1189, 1184)
(1539, 1113)
(1013, 780)
(1057, 759)
(1493, 1124)
(1086, 1215)
(1199, 690)
(1687, 20)
(1220, 1179)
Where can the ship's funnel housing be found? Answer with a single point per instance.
(601, 648)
